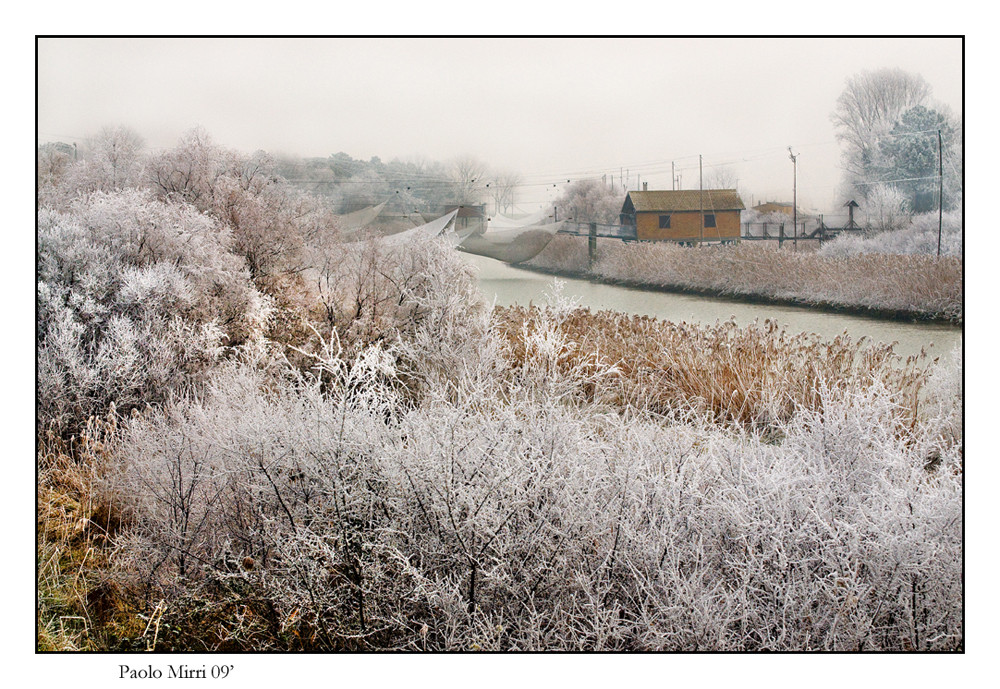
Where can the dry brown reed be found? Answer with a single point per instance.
(754, 375)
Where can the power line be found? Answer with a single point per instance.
(890, 181)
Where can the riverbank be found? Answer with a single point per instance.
(897, 288)
(896, 315)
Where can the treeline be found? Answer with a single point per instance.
(351, 184)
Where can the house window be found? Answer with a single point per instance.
(710, 220)
(664, 222)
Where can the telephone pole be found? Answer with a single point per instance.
(795, 198)
(701, 202)
(940, 192)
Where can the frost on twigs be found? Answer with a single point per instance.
(504, 510)
(558, 302)
(422, 472)
(136, 298)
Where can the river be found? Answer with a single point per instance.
(508, 285)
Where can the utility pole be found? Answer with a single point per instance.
(795, 198)
(701, 201)
(673, 177)
(940, 192)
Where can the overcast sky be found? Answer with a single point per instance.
(552, 109)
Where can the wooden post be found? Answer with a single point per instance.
(781, 234)
(592, 244)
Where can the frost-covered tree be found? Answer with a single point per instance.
(908, 155)
(188, 170)
(110, 160)
(721, 177)
(114, 159)
(53, 161)
(869, 107)
(590, 200)
(269, 219)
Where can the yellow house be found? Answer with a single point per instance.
(775, 207)
(690, 215)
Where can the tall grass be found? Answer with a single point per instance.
(755, 376)
(79, 606)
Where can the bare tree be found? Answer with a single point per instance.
(502, 189)
(721, 177)
(467, 173)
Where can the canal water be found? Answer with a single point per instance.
(508, 285)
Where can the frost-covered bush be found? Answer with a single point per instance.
(919, 237)
(275, 478)
(941, 420)
(505, 511)
(885, 209)
(135, 298)
(374, 290)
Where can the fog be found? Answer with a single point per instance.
(552, 109)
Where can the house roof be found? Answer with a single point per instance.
(685, 200)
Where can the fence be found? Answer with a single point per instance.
(602, 230)
(807, 229)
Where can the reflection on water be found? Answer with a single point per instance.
(515, 286)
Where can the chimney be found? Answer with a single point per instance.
(645, 185)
